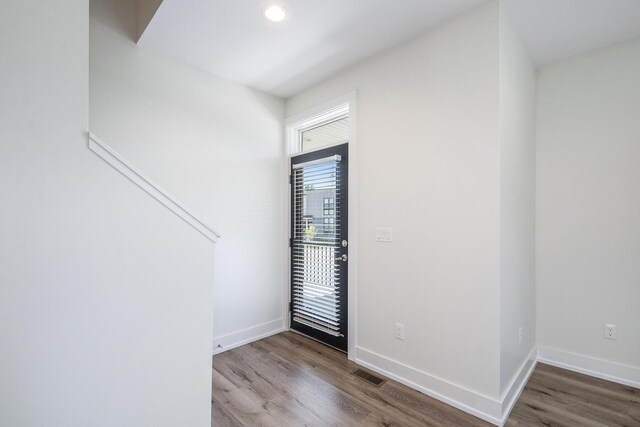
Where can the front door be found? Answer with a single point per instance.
(319, 245)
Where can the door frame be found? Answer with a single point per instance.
(294, 125)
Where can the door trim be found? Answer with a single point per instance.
(293, 125)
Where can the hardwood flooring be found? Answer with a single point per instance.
(557, 397)
(289, 380)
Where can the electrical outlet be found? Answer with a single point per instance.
(520, 335)
(399, 331)
(610, 331)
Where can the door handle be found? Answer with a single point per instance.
(344, 257)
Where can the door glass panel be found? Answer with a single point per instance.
(318, 229)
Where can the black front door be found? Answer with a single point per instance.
(319, 245)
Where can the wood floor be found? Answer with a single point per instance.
(289, 380)
(557, 397)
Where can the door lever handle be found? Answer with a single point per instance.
(344, 257)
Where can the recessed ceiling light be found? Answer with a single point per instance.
(275, 13)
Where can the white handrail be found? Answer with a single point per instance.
(112, 157)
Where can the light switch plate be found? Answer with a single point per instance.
(384, 234)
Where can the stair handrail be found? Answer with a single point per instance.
(118, 162)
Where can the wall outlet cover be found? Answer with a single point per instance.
(399, 332)
(610, 331)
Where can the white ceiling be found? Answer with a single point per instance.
(555, 29)
(232, 39)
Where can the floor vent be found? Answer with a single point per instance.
(376, 381)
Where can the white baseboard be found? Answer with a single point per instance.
(484, 407)
(466, 400)
(611, 371)
(246, 336)
(513, 392)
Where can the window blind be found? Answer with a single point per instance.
(316, 244)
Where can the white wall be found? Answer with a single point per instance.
(215, 145)
(588, 204)
(428, 161)
(517, 210)
(145, 9)
(105, 296)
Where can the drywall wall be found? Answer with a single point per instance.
(215, 145)
(428, 164)
(517, 210)
(105, 295)
(145, 9)
(588, 204)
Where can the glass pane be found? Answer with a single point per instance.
(325, 135)
(320, 191)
